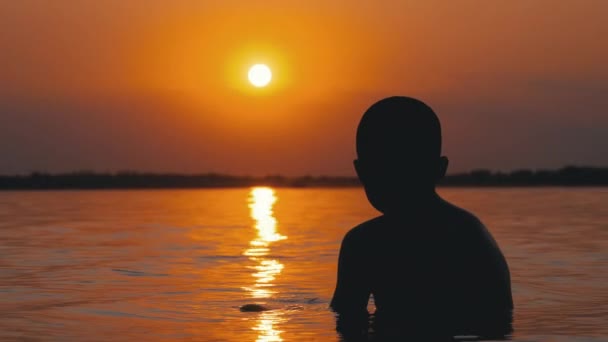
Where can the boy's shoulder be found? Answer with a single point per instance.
(447, 218)
(459, 216)
(466, 226)
(363, 230)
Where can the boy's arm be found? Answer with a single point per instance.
(491, 308)
(351, 294)
(496, 302)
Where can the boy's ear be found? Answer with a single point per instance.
(443, 167)
(358, 168)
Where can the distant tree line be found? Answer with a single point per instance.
(567, 176)
(141, 180)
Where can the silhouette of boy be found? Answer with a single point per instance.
(431, 267)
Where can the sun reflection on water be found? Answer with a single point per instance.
(261, 201)
(266, 329)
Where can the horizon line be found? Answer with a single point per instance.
(268, 175)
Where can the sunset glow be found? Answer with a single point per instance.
(124, 85)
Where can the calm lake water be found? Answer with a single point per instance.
(176, 265)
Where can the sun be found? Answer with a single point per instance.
(259, 75)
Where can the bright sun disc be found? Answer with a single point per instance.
(260, 75)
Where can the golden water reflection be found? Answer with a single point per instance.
(266, 326)
(261, 202)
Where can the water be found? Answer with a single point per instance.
(176, 265)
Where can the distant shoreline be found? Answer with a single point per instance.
(568, 176)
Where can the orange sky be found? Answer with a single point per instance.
(161, 85)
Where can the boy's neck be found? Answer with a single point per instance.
(419, 205)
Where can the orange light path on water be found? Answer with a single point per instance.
(261, 202)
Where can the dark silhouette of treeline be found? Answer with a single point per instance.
(141, 180)
(567, 176)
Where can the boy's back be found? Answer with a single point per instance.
(429, 265)
(437, 269)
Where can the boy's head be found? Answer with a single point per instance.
(399, 152)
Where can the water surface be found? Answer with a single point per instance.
(176, 265)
